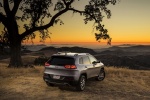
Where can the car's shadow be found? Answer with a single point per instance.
(89, 83)
(67, 88)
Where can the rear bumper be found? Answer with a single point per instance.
(64, 80)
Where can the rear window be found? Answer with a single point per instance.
(57, 60)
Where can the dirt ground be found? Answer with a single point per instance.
(119, 84)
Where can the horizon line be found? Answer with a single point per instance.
(144, 43)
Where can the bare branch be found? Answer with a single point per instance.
(68, 3)
(71, 1)
(64, 2)
(6, 7)
(1, 4)
(75, 10)
(16, 6)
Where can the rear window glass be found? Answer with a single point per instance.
(57, 60)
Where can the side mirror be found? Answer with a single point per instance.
(98, 61)
(95, 62)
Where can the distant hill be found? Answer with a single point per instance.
(134, 57)
(128, 48)
(34, 47)
(70, 49)
(133, 62)
(48, 48)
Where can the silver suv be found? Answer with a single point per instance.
(72, 69)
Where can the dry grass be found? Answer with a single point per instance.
(120, 84)
(27, 59)
(6, 72)
(135, 79)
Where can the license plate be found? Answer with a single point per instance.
(56, 77)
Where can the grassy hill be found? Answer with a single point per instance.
(120, 84)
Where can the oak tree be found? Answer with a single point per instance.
(31, 16)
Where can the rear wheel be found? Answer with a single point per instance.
(81, 84)
(101, 75)
(50, 84)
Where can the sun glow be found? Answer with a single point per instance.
(129, 24)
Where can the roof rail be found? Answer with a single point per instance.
(83, 53)
(71, 53)
(63, 52)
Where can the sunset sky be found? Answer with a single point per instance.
(130, 22)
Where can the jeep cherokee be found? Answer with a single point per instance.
(72, 69)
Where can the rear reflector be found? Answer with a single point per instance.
(47, 64)
(70, 66)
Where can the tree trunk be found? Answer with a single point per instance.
(15, 59)
(14, 42)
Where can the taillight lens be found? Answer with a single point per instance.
(47, 64)
(70, 66)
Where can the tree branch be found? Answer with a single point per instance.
(71, 1)
(3, 19)
(68, 3)
(72, 9)
(16, 6)
(83, 12)
(64, 2)
(30, 31)
(6, 7)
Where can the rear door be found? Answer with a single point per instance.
(85, 61)
(96, 66)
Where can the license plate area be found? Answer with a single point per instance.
(56, 77)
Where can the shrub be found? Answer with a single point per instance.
(40, 60)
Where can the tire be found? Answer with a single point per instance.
(50, 84)
(101, 75)
(81, 83)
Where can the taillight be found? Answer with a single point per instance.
(70, 66)
(47, 64)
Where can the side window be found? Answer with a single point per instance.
(81, 60)
(86, 60)
(92, 59)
